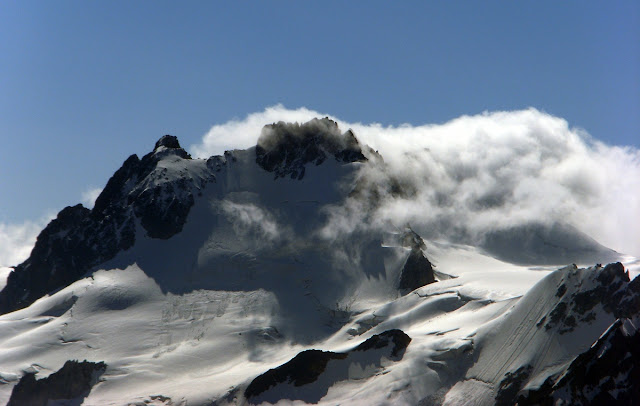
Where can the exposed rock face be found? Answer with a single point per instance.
(396, 337)
(161, 206)
(304, 377)
(572, 307)
(64, 251)
(303, 369)
(606, 374)
(72, 382)
(285, 148)
(79, 238)
(171, 142)
(417, 270)
(611, 289)
(511, 384)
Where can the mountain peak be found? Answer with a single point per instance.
(158, 196)
(169, 145)
(168, 141)
(285, 148)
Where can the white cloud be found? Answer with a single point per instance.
(17, 240)
(242, 134)
(249, 218)
(89, 197)
(478, 173)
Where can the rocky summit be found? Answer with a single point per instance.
(285, 148)
(155, 191)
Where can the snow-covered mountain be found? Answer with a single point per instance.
(272, 275)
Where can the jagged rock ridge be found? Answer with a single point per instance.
(285, 148)
(612, 290)
(569, 308)
(142, 190)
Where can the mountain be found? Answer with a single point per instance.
(604, 374)
(273, 275)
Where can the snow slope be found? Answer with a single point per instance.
(241, 262)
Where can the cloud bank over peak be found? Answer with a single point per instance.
(480, 173)
(242, 134)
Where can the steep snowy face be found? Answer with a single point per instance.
(156, 191)
(546, 244)
(558, 319)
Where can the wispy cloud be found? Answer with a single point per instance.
(242, 134)
(17, 240)
(89, 197)
(248, 218)
(479, 173)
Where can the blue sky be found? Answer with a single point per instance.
(85, 84)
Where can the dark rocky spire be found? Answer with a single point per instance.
(285, 148)
(168, 141)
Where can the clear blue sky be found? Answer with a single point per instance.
(83, 84)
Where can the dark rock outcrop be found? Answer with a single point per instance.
(171, 142)
(65, 250)
(304, 374)
(611, 289)
(161, 206)
(511, 385)
(606, 374)
(417, 270)
(303, 369)
(71, 382)
(79, 238)
(285, 148)
(396, 337)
